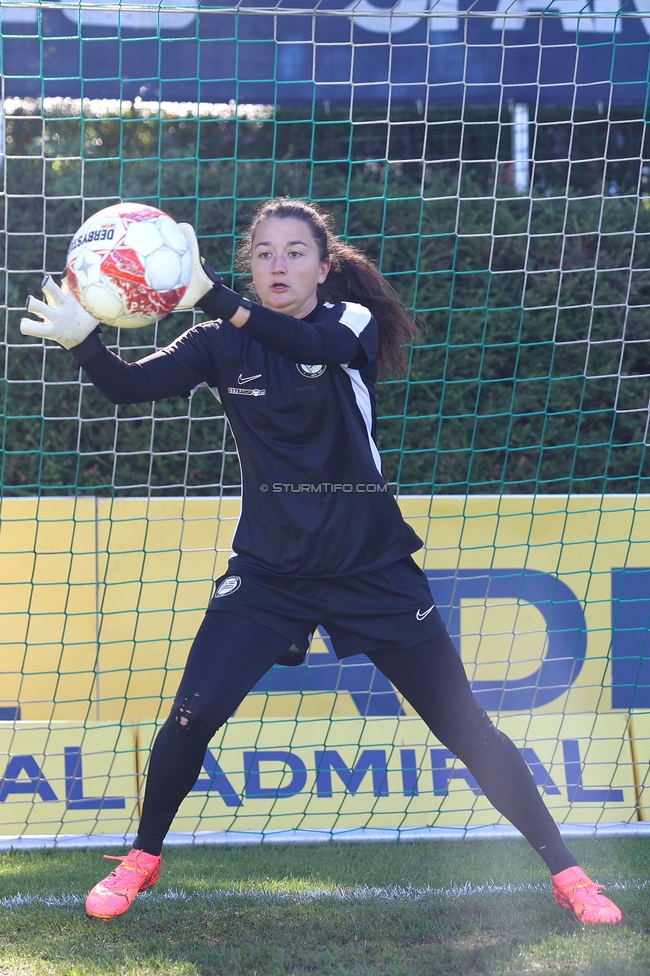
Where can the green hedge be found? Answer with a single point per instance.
(531, 373)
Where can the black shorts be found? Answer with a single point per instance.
(387, 609)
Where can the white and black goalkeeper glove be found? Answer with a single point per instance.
(62, 318)
(206, 288)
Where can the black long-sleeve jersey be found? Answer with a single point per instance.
(300, 398)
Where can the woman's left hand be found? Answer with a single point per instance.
(203, 277)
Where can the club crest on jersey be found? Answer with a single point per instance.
(228, 586)
(312, 372)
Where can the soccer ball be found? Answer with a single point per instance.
(129, 265)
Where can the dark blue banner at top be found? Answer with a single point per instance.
(342, 52)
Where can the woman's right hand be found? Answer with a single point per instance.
(62, 318)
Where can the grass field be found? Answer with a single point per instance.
(435, 909)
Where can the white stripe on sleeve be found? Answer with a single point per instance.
(356, 317)
(362, 397)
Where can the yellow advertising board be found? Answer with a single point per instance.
(546, 597)
(63, 778)
(333, 775)
(48, 606)
(67, 778)
(640, 748)
(100, 599)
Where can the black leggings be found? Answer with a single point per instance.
(229, 656)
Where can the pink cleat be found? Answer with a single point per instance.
(113, 896)
(574, 890)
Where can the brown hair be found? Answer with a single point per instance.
(352, 277)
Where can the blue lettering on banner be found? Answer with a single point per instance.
(329, 761)
(540, 773)
(23, 775)
(217, 782)
(565, 627)
(409, 773)
(252, 774)
(573, 772)
(35, 783)
(576, 792)
(548, 54)
(442, 773)
(74, 790)
(373, 694)
(10, 713)
(630, 638)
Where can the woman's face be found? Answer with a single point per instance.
(286, 265)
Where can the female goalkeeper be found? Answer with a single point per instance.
(320, 539)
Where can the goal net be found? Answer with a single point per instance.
(493, 160)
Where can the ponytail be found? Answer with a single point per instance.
(352, 278)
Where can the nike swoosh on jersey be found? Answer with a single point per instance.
(246, 379)
(421, 614)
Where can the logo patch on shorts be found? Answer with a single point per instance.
(228, 586)
(312, 372)
(421, 614)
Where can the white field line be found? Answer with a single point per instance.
(307, 895)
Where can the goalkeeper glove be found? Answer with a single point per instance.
(63, 319)
(206, 288)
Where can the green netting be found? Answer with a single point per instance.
(526, 402)
(531, 374)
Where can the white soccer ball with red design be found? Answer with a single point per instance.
(129, 265)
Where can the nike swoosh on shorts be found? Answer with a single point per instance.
(421, 614)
